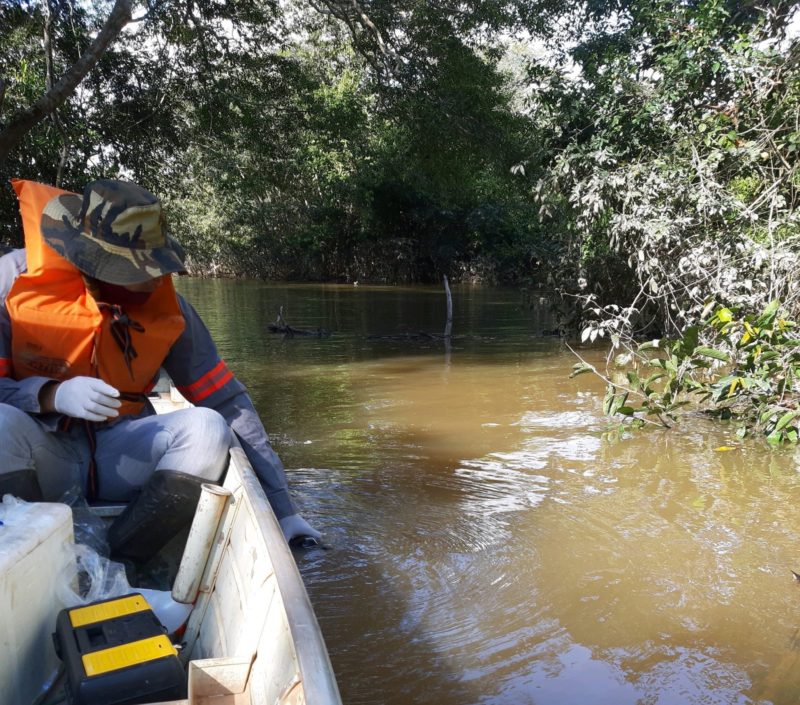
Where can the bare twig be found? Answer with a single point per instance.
(54, 116)
(448, 328)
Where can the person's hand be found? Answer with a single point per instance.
(87, 398)
(295, 527)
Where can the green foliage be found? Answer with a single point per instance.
(283, 143)
(675, 162)
(355, 183)
(397, 140)
(744, 367)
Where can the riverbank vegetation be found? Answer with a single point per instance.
(741, 368)
(637, 158)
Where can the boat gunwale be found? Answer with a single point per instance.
(316, 675)
(316, 672)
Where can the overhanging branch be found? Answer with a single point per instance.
(368, 38)
(21, 123)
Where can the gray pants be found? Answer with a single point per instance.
(194, 441)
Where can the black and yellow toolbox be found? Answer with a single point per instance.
(116, 652)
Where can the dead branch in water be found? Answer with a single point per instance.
(424, 335)
(418, 335)
(448, 328)
(280, 326)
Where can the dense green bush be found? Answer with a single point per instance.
(742, 367)
(680, 165)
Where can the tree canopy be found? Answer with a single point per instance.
(623, 153)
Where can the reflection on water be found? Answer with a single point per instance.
(490, 543)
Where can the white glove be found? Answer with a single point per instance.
(294, 526)
(87, 398)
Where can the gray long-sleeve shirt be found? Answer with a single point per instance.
(194, 365)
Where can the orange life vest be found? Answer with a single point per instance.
(59, 331)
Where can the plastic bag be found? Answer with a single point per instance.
(90, 530)
(13, 509)
(90, 578)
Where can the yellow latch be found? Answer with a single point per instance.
(81, 616)
(117, 657)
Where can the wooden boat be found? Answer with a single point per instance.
(252, 637)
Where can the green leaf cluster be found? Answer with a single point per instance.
(740, 367)
(628, 150)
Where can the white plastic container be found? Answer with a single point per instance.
(35, 548)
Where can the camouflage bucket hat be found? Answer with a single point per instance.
(114, 234)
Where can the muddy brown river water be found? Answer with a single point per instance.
(489, 541)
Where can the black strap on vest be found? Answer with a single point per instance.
(121, 327)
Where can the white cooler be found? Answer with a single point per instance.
(35, 548)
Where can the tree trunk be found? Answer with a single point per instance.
(25, 120)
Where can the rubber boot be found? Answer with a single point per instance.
(165, 505)
(22, 484)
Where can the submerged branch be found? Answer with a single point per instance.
(448, 328)
(280, 326)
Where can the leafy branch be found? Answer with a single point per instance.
(741, 367)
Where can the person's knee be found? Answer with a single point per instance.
(13, 422)
(209, 437)
(213, 428)
(17, 471)
(19, 432)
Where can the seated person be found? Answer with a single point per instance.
(90, 318)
